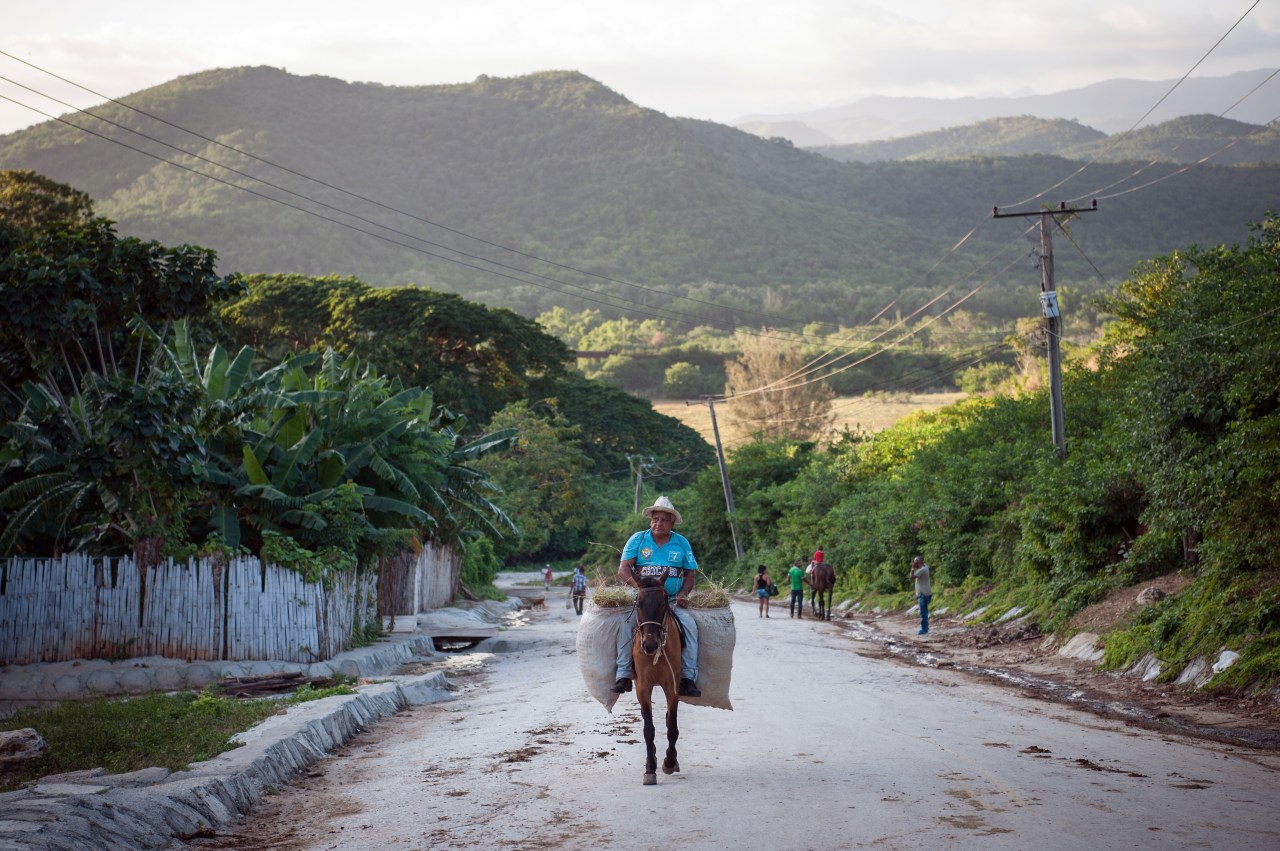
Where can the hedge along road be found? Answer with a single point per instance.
(824, 749)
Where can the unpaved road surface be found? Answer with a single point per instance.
(826, 749)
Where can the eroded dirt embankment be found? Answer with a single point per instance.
(1021, 658)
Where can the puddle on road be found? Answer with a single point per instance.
(1065, 693)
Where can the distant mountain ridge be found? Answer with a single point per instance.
(611, 195)
(1187, 139)
(1111, 106)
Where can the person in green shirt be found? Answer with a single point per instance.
(796, 575)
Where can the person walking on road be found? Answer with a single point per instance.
(924, 591)
(762, 583)
(579, 588)
(546, 578)
(796, 576)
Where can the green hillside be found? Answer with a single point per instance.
(1023, 134)
(557, 166)
(1187, 139)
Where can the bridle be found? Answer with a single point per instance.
(661, 625)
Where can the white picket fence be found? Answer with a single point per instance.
(78, 607)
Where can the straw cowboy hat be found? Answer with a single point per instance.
(662, 503)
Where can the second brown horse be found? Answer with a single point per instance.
(823, 583)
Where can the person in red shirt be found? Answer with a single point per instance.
(808, 571)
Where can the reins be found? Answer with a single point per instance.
(660, 653)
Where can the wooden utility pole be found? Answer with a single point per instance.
(637, 463)
(724, 474)
(1052, 314)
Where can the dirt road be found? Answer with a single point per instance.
(826, 749)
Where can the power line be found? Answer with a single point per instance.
(774, 385)
(367, 199)
(672, 316)
(1187, 167)
(1097, 193)
(866, 406)
(1152, 109)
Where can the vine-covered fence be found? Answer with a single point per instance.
(78, 607)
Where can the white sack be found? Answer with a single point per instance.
(597, 653)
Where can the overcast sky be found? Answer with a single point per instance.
(712, 59)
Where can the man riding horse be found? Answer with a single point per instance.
(658, 552)
(823, 582)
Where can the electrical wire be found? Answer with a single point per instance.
(815, 365)
(1117, 140)
(670, 315)
(662, 315)
(370, 200)
(1098, 192)
(930, 378)
(1189, 166)
(773, 386)
(644, 310)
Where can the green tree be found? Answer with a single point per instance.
(614, 424)
(475, 359)
(1205, 412)
(683, 380)
(31, 202)
(98, 434)
(542, 478)
(68, 296)
(342, 422)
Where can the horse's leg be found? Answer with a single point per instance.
(645, 696)
(671, 765)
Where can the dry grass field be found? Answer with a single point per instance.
(870, 413)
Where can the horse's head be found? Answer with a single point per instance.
(651, 613)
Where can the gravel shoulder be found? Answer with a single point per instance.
(1021, 658)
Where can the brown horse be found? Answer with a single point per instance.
(655, 651)
(823, 583)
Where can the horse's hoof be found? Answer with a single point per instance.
(651, 779)
(670, 769)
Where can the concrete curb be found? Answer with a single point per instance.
(153, 808)
(91, 677)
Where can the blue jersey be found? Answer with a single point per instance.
(668, 561)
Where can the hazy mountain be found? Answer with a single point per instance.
(1183, 140)
(559, 167)
(1111, 106)
(796, 132)
(993, 137)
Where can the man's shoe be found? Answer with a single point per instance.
(622, 686)
(688, 688)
